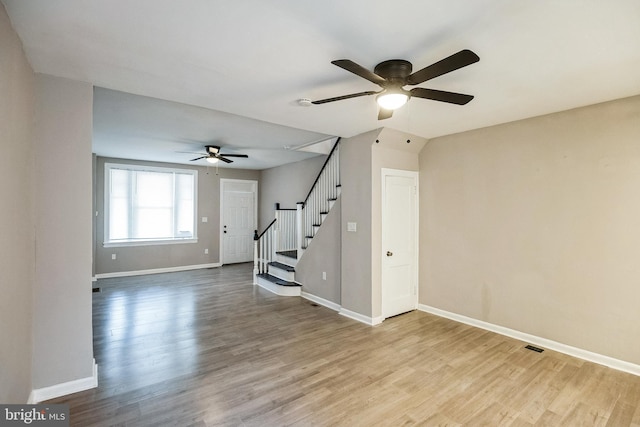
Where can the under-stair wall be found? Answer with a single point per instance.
(319, 270)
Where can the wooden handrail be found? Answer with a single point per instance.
(322, 169)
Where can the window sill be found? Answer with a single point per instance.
(148, 243)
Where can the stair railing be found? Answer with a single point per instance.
(264, 249)
(323, 191)
(280, 235)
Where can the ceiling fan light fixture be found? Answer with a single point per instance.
(212, 159)
(392, 100)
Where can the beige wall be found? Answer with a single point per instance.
(136, 258)
(17, 244)
(534, 225)
(62, 334)
(355, 200)
(287, 185)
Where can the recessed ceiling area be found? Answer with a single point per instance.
(143, 128)
(237, 69)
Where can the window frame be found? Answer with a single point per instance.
(108, 166)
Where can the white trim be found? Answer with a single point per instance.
(75, 386)
(600, 359)
(371, 321)
(224, 181)
(156, 270)
(326, 303)
(128, 243)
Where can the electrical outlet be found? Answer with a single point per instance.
(113, 256)
(324, 275)
(206, 251)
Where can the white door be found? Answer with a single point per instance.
(239, 200)
(399, 241)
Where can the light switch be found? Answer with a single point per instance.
(351, 226)
(205, 219)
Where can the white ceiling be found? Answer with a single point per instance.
(256, 58)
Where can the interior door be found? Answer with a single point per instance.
(399, 241)
(238, 220)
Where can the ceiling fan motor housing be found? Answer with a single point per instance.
(395, 71)
(212, 149)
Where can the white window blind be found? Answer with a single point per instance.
(149, 204)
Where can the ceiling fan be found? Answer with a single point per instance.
(394, 74)
(213, 155)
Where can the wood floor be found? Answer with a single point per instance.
(206, 348)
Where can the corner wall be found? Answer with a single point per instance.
(62, 321)
(355, 201)
(17, 242)
(533, 225)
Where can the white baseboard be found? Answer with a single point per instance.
(58, 390)
(324, 302)
(371, 321)
(156, 270)
(600, 359)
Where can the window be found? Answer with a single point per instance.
(149, 205)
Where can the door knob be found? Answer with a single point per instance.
(389, 253)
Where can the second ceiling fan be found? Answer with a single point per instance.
(394, 74)
(213, 154)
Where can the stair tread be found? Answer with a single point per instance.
(282, 266)
(276, 280)
(290, 254)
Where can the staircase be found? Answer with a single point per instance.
(281, 245)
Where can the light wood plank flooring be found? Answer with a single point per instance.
(206, 348)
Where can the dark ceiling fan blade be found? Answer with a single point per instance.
(340, 98)
(457, 60)
(439, 95)
(359, 70)
(235, 155)
(198, 158)
(384, 114)
(224, 159)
